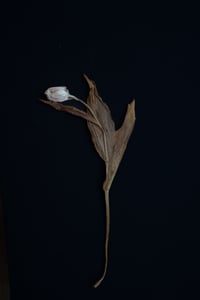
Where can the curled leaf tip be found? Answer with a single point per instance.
(131, 108)
(90, 82)
(132, 103)
(85, 76)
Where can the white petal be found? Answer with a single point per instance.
(57, 93)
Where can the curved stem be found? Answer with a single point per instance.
(88, 107)
(107, 207)
(107, 204)
(106, 191)
(96, 119)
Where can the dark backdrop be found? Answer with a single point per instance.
(51, 175)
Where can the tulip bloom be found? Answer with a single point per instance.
(58, 94)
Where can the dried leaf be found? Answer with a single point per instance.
(102, 138)
(110, 144)
(71, 109)
(120, 142)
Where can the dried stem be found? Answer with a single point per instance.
(98, 123)
(107, 207)
(106, 193)
(88, 107)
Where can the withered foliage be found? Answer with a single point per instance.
(109, 142)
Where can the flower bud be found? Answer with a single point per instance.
(57, 93)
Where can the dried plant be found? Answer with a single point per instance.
(109, 143)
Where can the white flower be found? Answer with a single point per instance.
(58, 93)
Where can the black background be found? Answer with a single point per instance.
(51, 176)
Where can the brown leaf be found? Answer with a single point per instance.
(120, 141)
(102, 138)
(71, 109)
(110, 144)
